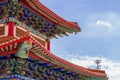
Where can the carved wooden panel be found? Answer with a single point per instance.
(20, 33)
(2, 30)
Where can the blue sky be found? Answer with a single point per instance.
(100, 35)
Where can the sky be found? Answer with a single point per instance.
(100, 36)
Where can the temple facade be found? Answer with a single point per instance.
(26, 28)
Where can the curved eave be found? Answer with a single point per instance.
(40, 9)
(80, 69)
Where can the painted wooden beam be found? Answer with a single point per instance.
(11, 29)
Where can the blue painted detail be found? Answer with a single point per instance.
(3, 57)
(61, 78)
(44, 64)
(31, 68)
(45, 78)
(8, 77)
(48, 73)
(69, 73)
(3, 2)
(59, 69)
(23, 14)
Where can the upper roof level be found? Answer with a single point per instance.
(9, 45)
(36, 17)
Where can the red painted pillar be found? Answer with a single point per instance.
(11, 29)
(48, 45)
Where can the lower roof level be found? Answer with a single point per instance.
(12, 67)
(17, 40)
(40, 53)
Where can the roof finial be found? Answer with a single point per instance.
(98, 61)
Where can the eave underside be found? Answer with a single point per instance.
(40, 21)
(35, 69)
(40, 52)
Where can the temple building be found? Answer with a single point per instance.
(26, 28)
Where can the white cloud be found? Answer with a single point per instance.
(103, 23)
(111, 67)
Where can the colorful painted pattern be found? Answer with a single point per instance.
(48, 59)
(14, 67)
(15, 77)
(32, 68)
(23, 49)
(34, 22)
(15, 63)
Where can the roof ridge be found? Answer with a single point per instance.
(67, 63)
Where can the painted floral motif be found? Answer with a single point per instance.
(34, 69)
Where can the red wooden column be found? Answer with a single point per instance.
(48, 45)
(11, 29)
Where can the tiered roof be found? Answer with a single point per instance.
(33, 18)
(38, 7)
(40, 52)
(36, 17)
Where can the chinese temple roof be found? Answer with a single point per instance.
(38, 7)
(31, 20)
(40, 52)
(36, 17)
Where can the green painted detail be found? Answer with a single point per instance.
(23, 50)
(15, 0)
(65, 29)
(36, 32)
(21, 24)
(32, 68)
(14, 10)
(96, 78)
